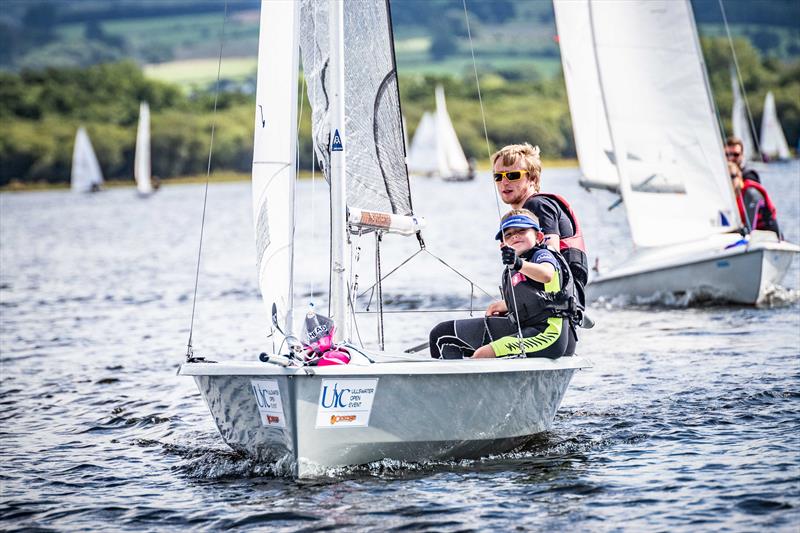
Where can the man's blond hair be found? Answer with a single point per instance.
(528, 157)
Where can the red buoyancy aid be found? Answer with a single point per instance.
(572, 248)
(765, 213)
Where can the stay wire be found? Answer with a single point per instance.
(739, 78)
(489, 155)
(189, 353)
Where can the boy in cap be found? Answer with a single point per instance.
(536, 314)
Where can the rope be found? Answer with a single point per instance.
(189, 352)
(739, 77)
(489, 152)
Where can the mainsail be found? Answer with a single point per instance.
(377, 178)
(141, 165)
(451, 156)
(739, 122)
(666, 147)
(86, 174)
(274, 154)
(773, 141)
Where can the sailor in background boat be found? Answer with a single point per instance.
(755, 206)
(518, 176)
(539, 302)
(734, 152)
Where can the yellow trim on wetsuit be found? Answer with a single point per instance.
(509, 345)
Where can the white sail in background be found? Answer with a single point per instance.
(739, 122)
(141, 164)
(667, 149)
(435, 150)
(86, 174)
(773, 141)
(589, 122)
(422, 155)
(452, 161)
(274, 154)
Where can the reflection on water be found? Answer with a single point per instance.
(687, 420)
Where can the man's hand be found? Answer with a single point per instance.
(510, 258)
(497, 308)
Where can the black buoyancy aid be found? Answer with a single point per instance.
(529, 302)
(572, 248)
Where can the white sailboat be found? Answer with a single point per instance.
(773, 141)
(141, 164)
(739, 122)
(380, 405)
(435, 150)
(86, 175)
(644, 120)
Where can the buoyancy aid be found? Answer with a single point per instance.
(530, 302)
(766, 213)
(572, 248)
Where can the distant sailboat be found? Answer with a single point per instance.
(773, 141)
(141, 165)
(739, 121)
(435, 150)
(86, 174)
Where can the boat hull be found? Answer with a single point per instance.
(741, 274)
(417, 414)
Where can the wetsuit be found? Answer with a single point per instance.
(750, 174)
(543, 335)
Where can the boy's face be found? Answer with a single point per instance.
(522, 239)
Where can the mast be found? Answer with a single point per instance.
(338, 296)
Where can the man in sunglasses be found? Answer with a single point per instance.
(734, 152)
(517, 175)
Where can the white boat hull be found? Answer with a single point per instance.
(702, 270)
(429, 410)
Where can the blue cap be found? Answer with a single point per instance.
(517, 221)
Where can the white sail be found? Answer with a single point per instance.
(141, 165)
(773, 141)
(452, 161)
(739, 122)
(589, 122)
(86, 174)
(274, 153)
(667, 149)
(422, 155)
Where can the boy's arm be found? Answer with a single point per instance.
(541, 272)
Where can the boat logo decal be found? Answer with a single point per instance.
(345, 402)
(336, 145)
(268, 400)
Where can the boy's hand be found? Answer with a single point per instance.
(510, 258)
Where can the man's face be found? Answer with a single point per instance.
(735, 154)
(513, 192)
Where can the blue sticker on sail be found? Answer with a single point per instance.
(336, 145)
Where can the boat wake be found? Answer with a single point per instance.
(778, 296)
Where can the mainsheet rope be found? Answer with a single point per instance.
(189, 353)
(494, 188)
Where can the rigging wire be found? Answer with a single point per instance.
(739, 78)
(489, 154)
(189, 353)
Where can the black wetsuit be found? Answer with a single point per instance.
(547, 337)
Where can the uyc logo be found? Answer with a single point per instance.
(339, 398)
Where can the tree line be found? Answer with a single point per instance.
(42, 109)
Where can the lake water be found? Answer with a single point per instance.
(689, 419)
